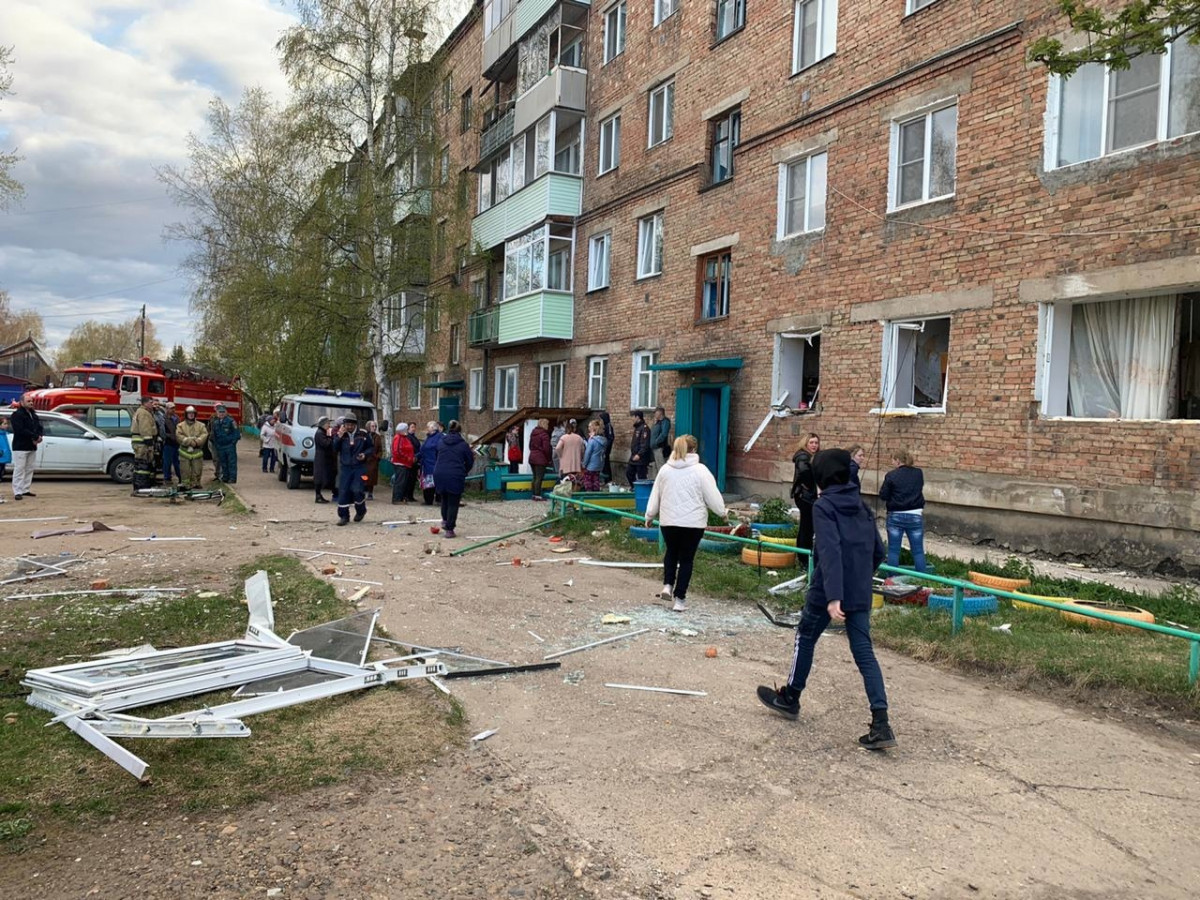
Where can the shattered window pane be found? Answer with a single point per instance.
(343, 640)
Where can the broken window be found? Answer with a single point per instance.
(797, 369)
(916, 355)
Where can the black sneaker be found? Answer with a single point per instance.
(880, 737)
(780, 701)
(359, 516)
(343, 522)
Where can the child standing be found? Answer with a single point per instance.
(848, 550)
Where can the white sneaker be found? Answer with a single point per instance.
(679, 606)
(665, 593)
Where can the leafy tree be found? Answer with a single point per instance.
(105, 340)
(178, 357)
(10, 188)
(1142, 26)
(16, 326)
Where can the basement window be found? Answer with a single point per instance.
(916, 354)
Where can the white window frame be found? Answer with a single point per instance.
(642, 360)
(435, 395)
(506, 388)
(787, 375)
(813, 160)
(475, 393)
(610, 144)
(723, 284)
(650, 228)
(739, 17)
(826, 45)
(614, 21)
(927, 115)
(898, 363)
(413, 398)
(550, 394)
(912, 6)
(661, 101)
(663, 10)
(598, 382)
(599, 261)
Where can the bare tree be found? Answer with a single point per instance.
(10, 188)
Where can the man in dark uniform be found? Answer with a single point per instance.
(27, 434)
(354, 449)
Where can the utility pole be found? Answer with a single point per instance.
(142, 339)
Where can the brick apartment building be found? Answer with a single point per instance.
(878, 217)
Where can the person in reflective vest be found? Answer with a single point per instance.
(225, 435)
(354, 450)
(192, 437)
(143, 434)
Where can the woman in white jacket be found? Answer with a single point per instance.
(684, 491)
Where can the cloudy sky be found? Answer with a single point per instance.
(105, 92)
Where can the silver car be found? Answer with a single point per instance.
(71, 447)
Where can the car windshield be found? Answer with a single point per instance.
(102, 381)
(308, 414)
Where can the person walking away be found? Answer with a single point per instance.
(660, 434)
(804, 489)
(353, 449)
(192, 436)
(170, 445)
(683, 493)
(324, 461)
(428, 457)
(512, 441)
(848, 551)
(454, 461)
(26, 435)
(570, 449)
(539, 455)
(858, 458)
(376, 457)
(609, 437)
(270, 441)
(903, 492)
(594, 456)
(404, 461)
(143, 433)
(639, 450)
(226, 435)
(5, 448)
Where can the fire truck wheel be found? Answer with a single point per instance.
(120, 469)
(293, 477)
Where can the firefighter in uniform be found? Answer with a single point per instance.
(143, 435)
(354, 450)
(225, 436)
(192, 437)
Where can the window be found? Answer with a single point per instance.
(915, 358)
(495, 12)
(797, 369)
(463, 191)
(731, 16)
(439, 240)
(664, 9)
(715, 272)
(448, 93)
(475, 394)
(1131, 358)
(414, 393)
(113, 420)
(479, 296)
(610, 143)
(614, 32)
(435, 395)
(923, 151)
(814, 32)
(662, 114)
(645, 382)
(726, 132)
(455, 344)
(802, 195)
(914, 5)
(539, 260)
(129, 385)
(599, 254)
(485, 191)
(444, 166)
(1096, 112)
(60, 429)
(598, 382)
(465, 112)
(156, 386)
(551, 378)
(568, 145)
(506, 388)
(650, 245)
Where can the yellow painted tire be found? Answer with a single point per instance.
(997, 582)
(786, 541)
(1135, 613)
(1017, 604)
(768, 559)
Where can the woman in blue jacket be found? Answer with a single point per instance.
(427, 457)
(594, 455)
(903, 491)
(454, 461)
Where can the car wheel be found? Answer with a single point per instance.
(293, 477)
(120, 469)
(282, 471)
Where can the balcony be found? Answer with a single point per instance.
(483, 327)
(497, 135)
(563, 88)
(530, 12)
(550, 195)
(502, 38)
(544, 316)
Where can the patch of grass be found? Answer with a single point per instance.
(12, 829)
(49, 774)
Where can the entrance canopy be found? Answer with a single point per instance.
(728, 362)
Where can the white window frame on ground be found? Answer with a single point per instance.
(1081, 109)
(663, 10)
(932, 121)
(610, 143)
(643, 391)
(813, 172)
(599, 260)
(506, 388)
(716, 278)
(552, 381)
(650, 245)
(909, 348)
(818, 19)
(912, 6)
(614, 32)
(597, 382)
(797, 361)
(475, 395)
(539, 260)
(413, 398)
(731, 17)
(660, 123)
(1120, 358)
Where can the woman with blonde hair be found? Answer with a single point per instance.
(683, 493)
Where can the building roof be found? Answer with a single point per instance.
(26, 345)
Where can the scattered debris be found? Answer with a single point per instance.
(484, 735)
(316, 553)
(155, 537)
(613, 619)
(100, 584)
(35, 519)
(65, 592)
(611, 564)
(658, 690)
(359, 594)
(798, 583)
(1006, 628)
(607, 640)
(538, 638)
(83, 529)
(570, 582)
(357, 581)
(503, 670)
(710, 652)
(783, 620)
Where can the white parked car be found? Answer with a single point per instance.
(71, 447)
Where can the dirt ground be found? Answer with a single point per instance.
(592, 791)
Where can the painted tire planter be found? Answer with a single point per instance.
(1017, 604)
(1134, 613)
(997, 582)
(642, 533)
(714, 546)
(979, 605)
(786, 541)
(650, 536)
(768, 559)
(771, 527)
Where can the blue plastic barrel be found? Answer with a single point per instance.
(641, 494)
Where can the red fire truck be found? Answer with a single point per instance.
(126, 381)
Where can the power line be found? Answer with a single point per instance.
(62, 209)
(53, 304)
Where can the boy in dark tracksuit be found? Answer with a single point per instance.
(847, 553)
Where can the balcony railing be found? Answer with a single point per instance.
(483, 326)
(497, 135)
(544, 316)
(550, 195)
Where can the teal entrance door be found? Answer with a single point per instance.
(703, 410)
(447, 409)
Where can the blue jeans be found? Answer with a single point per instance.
(170, 459)
(813, 621)
(900, 524)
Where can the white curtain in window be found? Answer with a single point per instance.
(1121, 353)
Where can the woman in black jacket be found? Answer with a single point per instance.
(903, 491)
(324, 460)
(804, 489)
